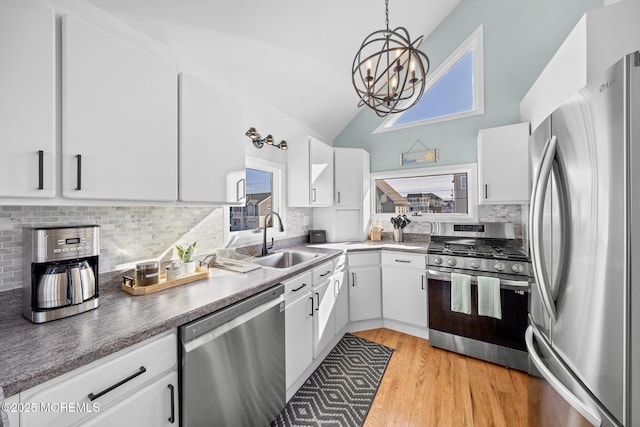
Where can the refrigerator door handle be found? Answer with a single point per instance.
(560, 388)
(536, 216)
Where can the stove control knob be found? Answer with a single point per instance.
(499, 266)
(437, 260)
(517, 268)
(474, 264)
(452, 262)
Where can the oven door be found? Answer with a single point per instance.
(505, 332)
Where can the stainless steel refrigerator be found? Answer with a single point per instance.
(584, 227)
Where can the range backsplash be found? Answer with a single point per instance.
(516, 214)
(127, 234)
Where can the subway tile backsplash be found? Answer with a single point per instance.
(131, 234)
(127, 234)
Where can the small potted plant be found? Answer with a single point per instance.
(185, 254)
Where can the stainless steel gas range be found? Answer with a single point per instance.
(459, 257)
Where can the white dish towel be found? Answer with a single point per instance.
(489, 303)
(461, 293)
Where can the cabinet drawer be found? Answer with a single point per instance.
(402, 259)
(139, 364)
(364, 258)
(297, 286)
(322, 273)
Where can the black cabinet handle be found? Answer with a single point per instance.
(422, 280)
(40, 170)
(324, 274)
(299, 287)
(93, 397)
(353, 279)
(79, 172)
(403, 260)
(318, 299)
(172, 418)
(338, 197)
(486, 191)
(311, 314)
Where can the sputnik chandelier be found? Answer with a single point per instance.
(389, 71)
(259, 141)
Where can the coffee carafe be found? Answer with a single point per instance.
(61, 272)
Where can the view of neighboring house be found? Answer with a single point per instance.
(390, 200)
(252, 215)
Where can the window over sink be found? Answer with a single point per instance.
(263, 195)
(442, 193)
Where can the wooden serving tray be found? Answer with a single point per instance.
(201, 273)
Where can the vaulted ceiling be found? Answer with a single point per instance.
(294, 55)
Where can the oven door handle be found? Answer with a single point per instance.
(440, 275)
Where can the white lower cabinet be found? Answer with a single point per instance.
(404, 288)
(160, 398)
(404, 293)
(132, 384)
(341, 290)
(365, 293)
(298, 325)
(324, 327)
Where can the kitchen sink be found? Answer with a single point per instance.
(285, 259)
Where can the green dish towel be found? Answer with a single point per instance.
(489, 303)
(461, 293)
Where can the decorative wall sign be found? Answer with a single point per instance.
(429, 155)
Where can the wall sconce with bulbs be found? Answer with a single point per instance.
(259, 141)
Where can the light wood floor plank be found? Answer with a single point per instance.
(427, 386)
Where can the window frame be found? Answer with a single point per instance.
(470, 169)
(474, 42)
(246, 237)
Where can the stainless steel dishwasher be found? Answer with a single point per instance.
(233, 364)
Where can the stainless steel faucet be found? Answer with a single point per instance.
(265, 250)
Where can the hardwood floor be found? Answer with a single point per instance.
(427, 386)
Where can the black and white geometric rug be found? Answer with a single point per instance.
(340, 392)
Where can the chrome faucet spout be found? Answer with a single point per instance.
(265, 250)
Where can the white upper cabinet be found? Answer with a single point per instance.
(309, 173)
(120, 118)
(212, 157)
(351, 176)
(503, 165)
(27, 99)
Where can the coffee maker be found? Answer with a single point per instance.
(60, 271)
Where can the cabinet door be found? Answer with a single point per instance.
(212, 167)
(27, 99)
(404, 293)
(365, 295)
(298, 317)
(321, 160)
(324, 326)
(348, 224)
(155, 405)
(120, 118)
(342, 299)
(348, 176)
(121, 373)
(503, 159)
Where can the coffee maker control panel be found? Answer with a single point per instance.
(54, 244)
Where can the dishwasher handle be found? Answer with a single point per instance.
(206, 337)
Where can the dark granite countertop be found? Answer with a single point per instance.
(32, 354)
